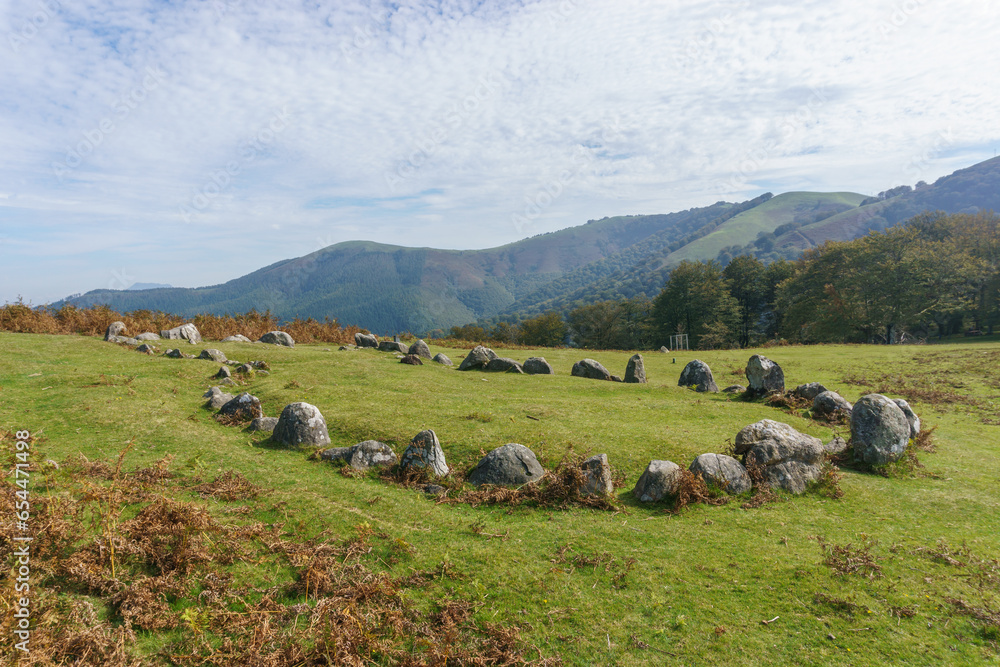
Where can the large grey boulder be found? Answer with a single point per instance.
(504, 365)
(809, 391)
(660, 480)
(238, 338)
(420, 349)
(213, 355)
(362, 456)
(880, 431)
(764, 376)
(277, 338)
(188, 332)
(223, 373)
(115, 329)
(365, 340)
(301, 424)
(425, 452)
(788, 459)
(597, 479)
(477, 359)
(392, 346)
(538, 366)
(697, 374)
(148, 336)
(723, 472)
(244, 407)
(510, 465)
(635, 371)
(830, 404)
(911, 416)
(263, 424)
(442, 359)
(588, 368)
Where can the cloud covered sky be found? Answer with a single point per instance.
(193, 141)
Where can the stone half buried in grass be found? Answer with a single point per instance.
(362, 456)
(697, 374)
(723, 472)
(477, 359)
(188, 332)
(301, 425)
(442, 359)
(365, 340)
(425, 452)
(244, 408)
(420, 349)
(277, 338)
(809, 391)
(411, 359)
(538, 366)
(146, 348)
(148, 336)
(591, 369)
(392, 346)
(510, 465)
(660, 480)
(830, 404)
(217, 398)
(238, 338)
(504, 365)
(266, 424)
(114, 330)
(880, 430)
(212, 354)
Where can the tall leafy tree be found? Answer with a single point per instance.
(548, 330)
(695, 300)
(745, 276)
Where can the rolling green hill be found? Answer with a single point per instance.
(389, 289)
(791, 207)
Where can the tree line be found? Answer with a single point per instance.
(937, 275)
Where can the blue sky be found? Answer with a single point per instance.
(192, 142)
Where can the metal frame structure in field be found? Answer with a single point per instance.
(679, 342)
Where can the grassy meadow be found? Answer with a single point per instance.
(919, 585)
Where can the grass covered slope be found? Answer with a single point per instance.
(782, 209)
(636, 587)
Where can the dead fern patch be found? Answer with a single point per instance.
(852, 560)
(229, 486)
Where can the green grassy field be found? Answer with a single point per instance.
(702, 582)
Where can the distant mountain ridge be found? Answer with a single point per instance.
(387, 288)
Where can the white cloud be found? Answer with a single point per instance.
(147, 130)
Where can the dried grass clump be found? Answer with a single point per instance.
(229, 486)
(848, 559)
(557, 489)
(693, 490)
(762, 491)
